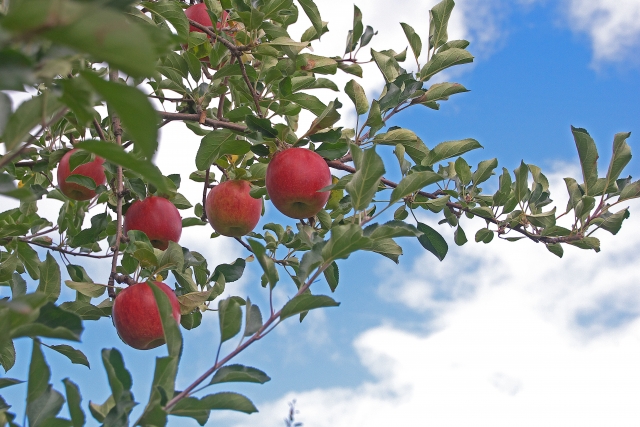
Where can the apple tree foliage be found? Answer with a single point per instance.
(241, 88)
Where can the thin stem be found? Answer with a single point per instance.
(255, 337)
(117, 131)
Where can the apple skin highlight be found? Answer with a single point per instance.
(137, 318)
(93, 170)
(230, 209)
(293, 179)
(158, 218)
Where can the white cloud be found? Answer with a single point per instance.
(612, 25)
(520, 337)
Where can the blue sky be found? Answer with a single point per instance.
(504, 334)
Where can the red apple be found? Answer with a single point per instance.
(137, 318)
(198, 13)
(158, 218)
(93, 170)
(294, 177)
(230, 209)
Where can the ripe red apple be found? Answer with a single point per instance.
(198, 13)
(294, 177)
(158, 218)
(230, 209)
(93, 170)
(137, 318)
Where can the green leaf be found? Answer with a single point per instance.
(172, 12)
(18, 285)
(308, 102)
(484, 171)
(116, 154)
(199, 408)
(52, 322)
(413, 38)
(265, 262)
(39, 374)
(484, 235)
(7, 354)
(5, 102)
(415, 148)
(544, 219)
(587, 243)
(463, 170)
(621, 156)
(231, 272)
(50, 278)
(613, 222)
(192, 300)
(30, 260)
(345, 239)
(230, 316)
(239, 373)
(73, 401)
(412, 183)
(391, 229)
(85, 288)
(99, 412)
(217, 144)
(326, 119)
(170, 327)
(459, 237)
(588, 154)
(630, 191)
(42, 411)
(522, 181)
(449, 149)
(556, 249)
(443, 60)
(261, 125)
(8, 382)
(387, 64)
(332, 275)
(138, 116)
(432, 241)
(172, 258)
(358, 96)
(312, 12)
(37, 110)
(364, 184)
(306, 302)
(82, 180)
(253, 319)
(459, 44)
(442, 91)
(117, 374)
(75, 356)
(438, 23)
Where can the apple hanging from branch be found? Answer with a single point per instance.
(92, 169)
(156, 217)
(231, 210)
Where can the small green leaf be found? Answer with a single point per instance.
(364, 184)
(332, 275)
(556, 249)
(8, 382)
(621, 156)
(30, 259)
(387, 64)
(265, 262)
(312, 12)
(459, 237)
(39, 374)
(522, 181)
(230, 316)
(412, 183)
(50, 278)
(413, 38)
(432, 241)
(170, 327)
(306, 302)
(442, 91)
(438, 23)
(484, 235)
(216, 144)
(75, 356)
(7, 354)
(443, 60)
(345, 239)
(484, 171)
(73, 401)
(358, 96)
(253, 319)
(588, 154)
(239, 373)
(85, 288)
(449, 149)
